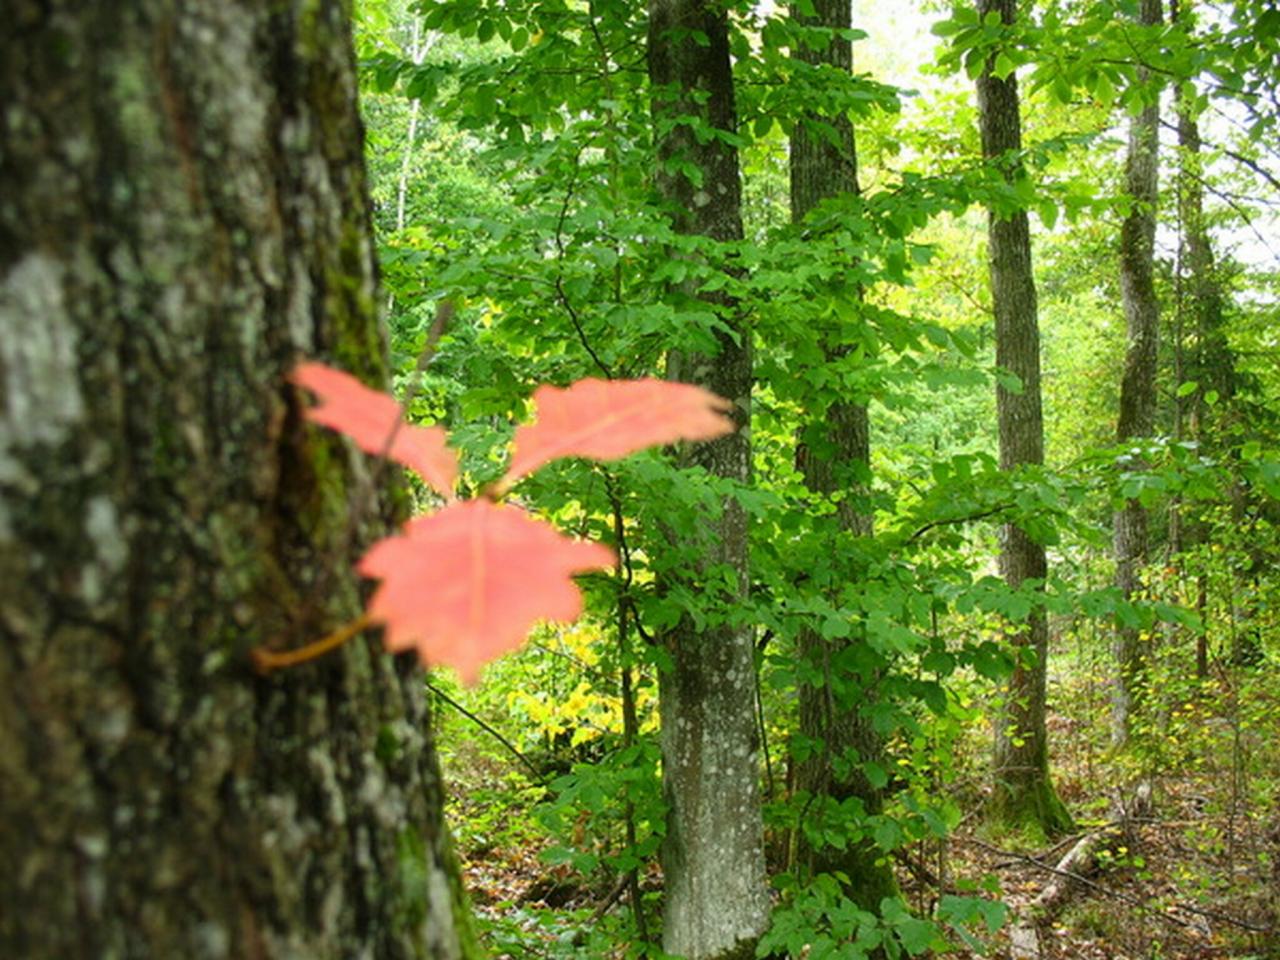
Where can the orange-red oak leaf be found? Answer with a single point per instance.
(368, 417)
(607, 419)
(467, 583)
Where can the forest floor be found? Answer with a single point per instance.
(1162, 890)
(1196, 879)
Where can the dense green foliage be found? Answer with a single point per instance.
(512, 154)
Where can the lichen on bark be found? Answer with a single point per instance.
(717, 902)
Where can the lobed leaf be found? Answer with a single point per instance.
(608, 419)
(370, 417)
(467, 583)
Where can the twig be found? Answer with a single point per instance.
(619, 886)
(559, 282)
(947, 521)
(1239, 158)
(1071, 875)
(918, 869)
(578, 664)
(763, 731)
(537, 774)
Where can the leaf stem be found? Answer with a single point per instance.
(265, 660)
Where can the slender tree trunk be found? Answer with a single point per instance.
(1206, 320)
(419, 46)
(1023, 791)
(184, 216)
(1136, 421)
(1213, 364)
(713, 856)
(821, 170)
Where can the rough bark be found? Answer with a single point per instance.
(183, 215)
(1137, 414)
(821, 169)
(716, 899)
(1023, 792)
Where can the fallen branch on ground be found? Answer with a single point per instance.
(1069, 874)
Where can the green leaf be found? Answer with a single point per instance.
(887, 834)
(1048, 211)
(875, 774)
(939, 662)
(916, 935)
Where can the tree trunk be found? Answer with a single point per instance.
(821, 169)
(717, 902)
(184, 216)
(1136, 421)
(1023, 792)
(1213, 364)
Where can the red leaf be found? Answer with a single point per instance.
(608, 419)
(368, 417)
(467, 583)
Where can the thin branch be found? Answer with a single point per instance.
(1245, 129)
(560, 257)
(511, 747)
(763, 731)
(1243, 215)
(265, 660)
(967, 518)
(577, 663)
(1239, 158)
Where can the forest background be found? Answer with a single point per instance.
(964, 640)
(513, 151)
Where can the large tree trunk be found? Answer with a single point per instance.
(717, 903)
(1023, 792)
(821, 169)
(184, 216)
(1138, 386)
